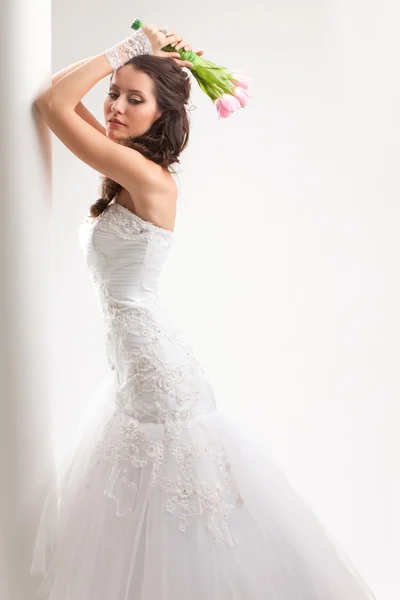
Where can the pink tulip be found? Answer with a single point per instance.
(228, 89)
(241, 95)
(241, 79)
(226, 105)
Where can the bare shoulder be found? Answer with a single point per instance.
(156, 201)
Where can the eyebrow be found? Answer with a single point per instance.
(116, 86)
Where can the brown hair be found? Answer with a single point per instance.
(169, 134)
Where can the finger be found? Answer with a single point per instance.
(174, 55)
(182, 44)
(167, 38)
(175, 39)
(184, 63)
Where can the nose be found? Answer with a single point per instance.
(115, 105)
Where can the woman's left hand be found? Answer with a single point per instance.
(159, 40)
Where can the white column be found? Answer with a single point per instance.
(26, 459)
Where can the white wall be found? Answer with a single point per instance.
(286, 257)
(26, 447)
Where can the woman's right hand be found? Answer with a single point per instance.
(187, 63)
(159, 40)
(178, 45)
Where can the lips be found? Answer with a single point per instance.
(115, 121)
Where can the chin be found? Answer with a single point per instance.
(118, 135)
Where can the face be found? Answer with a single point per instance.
(137, 109)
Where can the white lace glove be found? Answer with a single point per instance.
(133, 45)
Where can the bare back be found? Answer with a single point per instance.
(157, 206)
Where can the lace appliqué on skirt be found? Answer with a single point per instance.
(196, 478)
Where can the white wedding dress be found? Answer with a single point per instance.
(161, 496)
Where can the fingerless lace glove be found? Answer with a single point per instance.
(133, 45)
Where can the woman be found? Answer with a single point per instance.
(161, 496)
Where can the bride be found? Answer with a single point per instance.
(161, 496)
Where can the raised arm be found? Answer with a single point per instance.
(80, 108)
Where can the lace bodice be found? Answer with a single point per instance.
(159, 377)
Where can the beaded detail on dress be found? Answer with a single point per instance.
(127, 224)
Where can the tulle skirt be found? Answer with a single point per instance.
(146, 511)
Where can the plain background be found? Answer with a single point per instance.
(285, 265)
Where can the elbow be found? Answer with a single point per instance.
(46, 103)
(42, 100)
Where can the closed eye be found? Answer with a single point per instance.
(111, 94)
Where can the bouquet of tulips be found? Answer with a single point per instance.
(229, 90)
